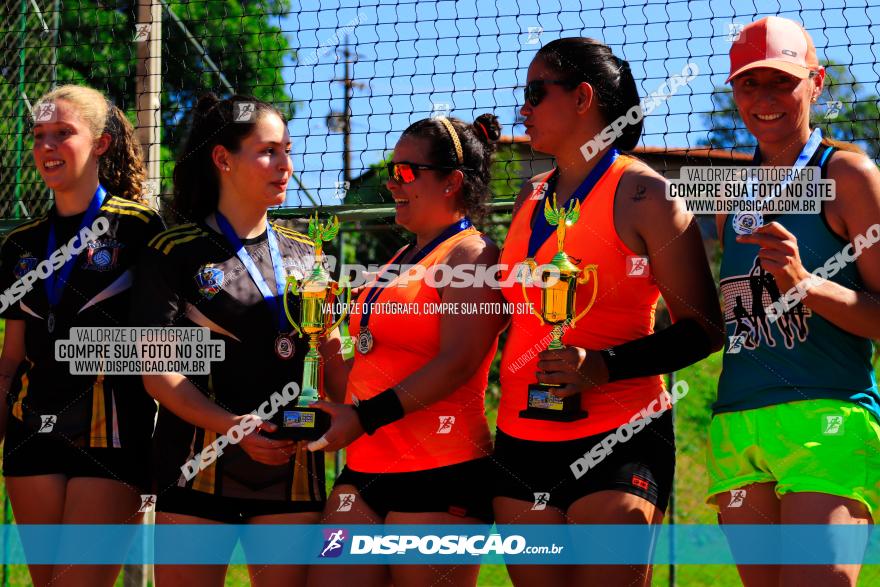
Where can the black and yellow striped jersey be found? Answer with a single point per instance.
(90, 411)
(190, 276)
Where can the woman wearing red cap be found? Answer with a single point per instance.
(795, 437)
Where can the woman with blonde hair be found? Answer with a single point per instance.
(795, 437)
(76, 445)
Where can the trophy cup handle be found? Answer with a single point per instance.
(291, 282)
(590, 272)
(531, 305)
(336, 290)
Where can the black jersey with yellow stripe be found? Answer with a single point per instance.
(88, 410)
(192, 277)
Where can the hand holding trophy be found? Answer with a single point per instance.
(557, 309)
(318, 293)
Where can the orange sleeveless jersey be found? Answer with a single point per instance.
(403, 343)
(623, 311)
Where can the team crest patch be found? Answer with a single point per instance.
(210, 280)
(26, 264)
(102, 255)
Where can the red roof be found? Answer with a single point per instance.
(689, 152)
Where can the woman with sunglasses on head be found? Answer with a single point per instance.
(418, 442)
(76, 446)
(225, 269)
(550, 471)
(795, 437)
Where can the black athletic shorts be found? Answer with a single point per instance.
(27, 453)
(462, 490)
(229, 510)
(644, 465)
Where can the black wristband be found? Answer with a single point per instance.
(671, 349)
(379, 410)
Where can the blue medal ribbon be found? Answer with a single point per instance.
(748, 222)
(541, 229)
(273, 300)
(57, 280)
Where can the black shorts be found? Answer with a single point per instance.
(27, 453)
(462, 490)
(228, 510)
(644, 465)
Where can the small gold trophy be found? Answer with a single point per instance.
(557, 308)
(319, 294)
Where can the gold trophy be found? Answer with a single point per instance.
(557, 309)
(319, 294)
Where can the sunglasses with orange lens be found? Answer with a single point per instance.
(405, 171)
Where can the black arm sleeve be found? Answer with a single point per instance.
(682, 344)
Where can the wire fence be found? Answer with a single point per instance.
(353, 74)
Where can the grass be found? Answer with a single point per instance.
(692, 423)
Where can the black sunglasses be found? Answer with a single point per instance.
(405, 171)
(536, 90)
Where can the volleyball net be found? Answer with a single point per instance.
(352, 75)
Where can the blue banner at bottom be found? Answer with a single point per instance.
(453, 544)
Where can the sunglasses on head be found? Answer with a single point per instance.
(536, 90)
(405, 172)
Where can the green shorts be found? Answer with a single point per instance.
(825, 446)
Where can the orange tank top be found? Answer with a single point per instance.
(623, 311)
(450, 431)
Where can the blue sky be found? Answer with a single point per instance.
(473, 55)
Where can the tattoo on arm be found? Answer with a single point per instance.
(640, 193)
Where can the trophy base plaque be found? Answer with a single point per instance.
(544, 406)
(301, 424)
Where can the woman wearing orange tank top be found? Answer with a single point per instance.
(559, 470)
(413, 419)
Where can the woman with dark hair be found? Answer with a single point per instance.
(795, 436)
(75, 445)
(417, 382)
(579, 108)
(225, 270)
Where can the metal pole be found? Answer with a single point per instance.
(19, 110)
(346, 119)
(56, 36)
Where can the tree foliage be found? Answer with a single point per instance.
(96, 46)
(846, 111)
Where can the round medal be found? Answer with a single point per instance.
(284, 347)
(365, 341)
(50, 322)
(747, 222)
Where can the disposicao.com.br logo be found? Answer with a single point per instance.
(402, 544)
(334, 542)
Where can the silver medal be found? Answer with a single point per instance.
(284, 347)
(747, 222)
(365, 341)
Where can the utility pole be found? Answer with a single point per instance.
(148, 102)
(341, 121)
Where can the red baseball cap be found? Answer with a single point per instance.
(773, 42)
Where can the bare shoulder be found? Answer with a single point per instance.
(640, 186)
(528, 188)
(476, 248)
(856, 178)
